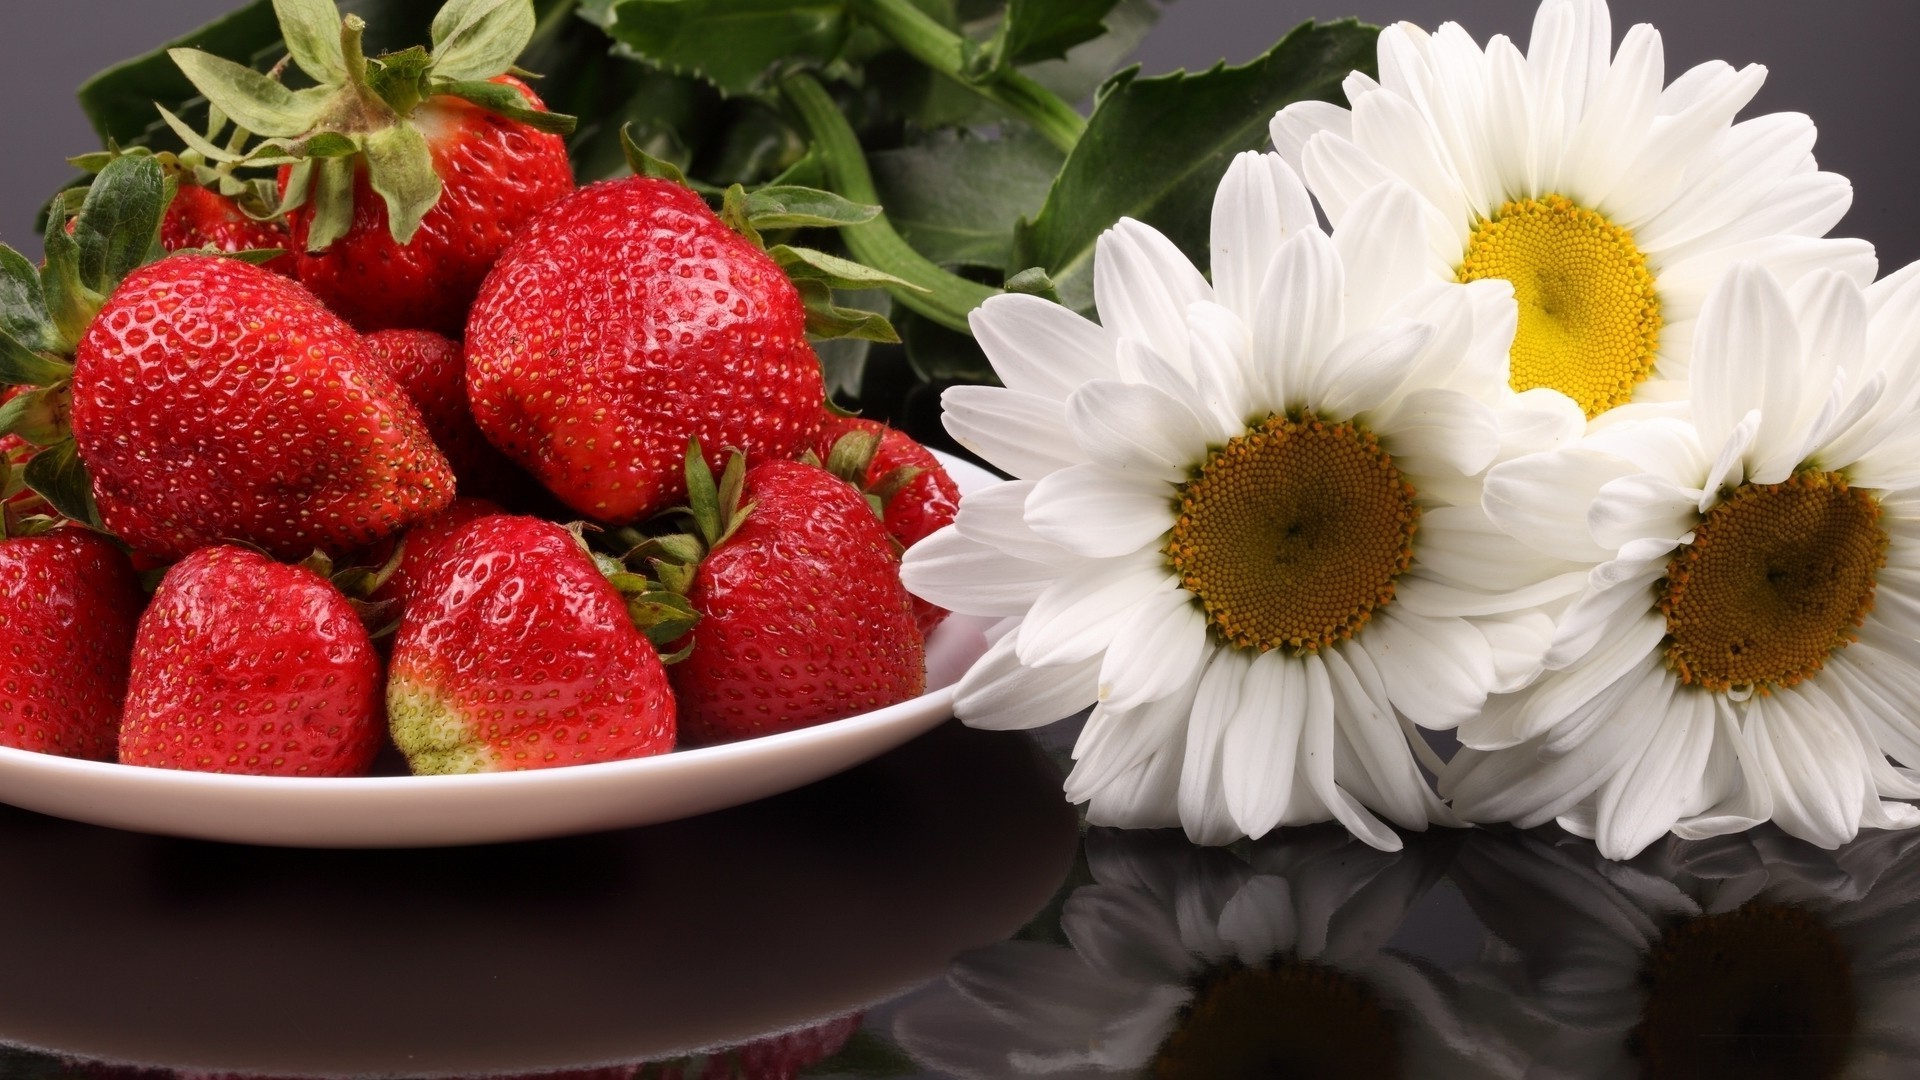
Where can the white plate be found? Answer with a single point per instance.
(429, 811)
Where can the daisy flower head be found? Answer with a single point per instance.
(1610, 201)
(1245, 523)
(1745, 649)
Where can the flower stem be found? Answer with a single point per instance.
(948, 297)
(946, 52)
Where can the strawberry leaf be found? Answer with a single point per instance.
(38, 416)
(478, 39)
(311, 29)
(785, 206)
(119, 223)
(1144, 157)
(830, 321)
(955, 198)
(57, 474)
(21, 366)
(70, 304)
(645, 164)
(331, 190)
(733, 44)
(254, 101)
(400, 169)
(508, 102)
(807, 264)
(23, 304)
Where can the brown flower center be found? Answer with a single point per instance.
(1283, 1018)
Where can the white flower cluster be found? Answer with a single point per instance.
(1575, 436)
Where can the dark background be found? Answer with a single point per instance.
(1844, 62)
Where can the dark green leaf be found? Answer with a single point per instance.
(57, 474)
(827, 320)
(956, 198)
(20, 366)
(39, 416)
(1034, 281)
(733, 211)
(733, 44)
(1045, 29)
(843, 360)
(120, 221)
(254, 101)
(808, 264)
(71, 306)
(119, 101)
(508, 102)
(332, 195)
(941, 355)
(645, 164)
(23, 305)
(1145, 156)
(1088, 66)
(788, 207)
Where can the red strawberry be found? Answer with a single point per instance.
(200, 217)
(432, 370)
(68, 605)
(624, 321)
(497, 173)
(424, 544)
(517, 653)
(215, 401)
(802, 615)
(916, 495)
(245, 665)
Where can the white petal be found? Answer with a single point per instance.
(1301, 121)
(965, 575)
(1203, 797)
(1072, 619)
(1437, 671)
(1157, 648)
(996, 516)
(1364, 715)
(1300, 315)
(1022, 434)
(1365, 371)
(1339, 172)
(1542, 500)
(1644, 799)
(1385, 255)
(1318, 763)
(1746, 356)
(1001, 694)
(1040, 347)
(1442, 427)
(1747, 800)
(1617, 599)
(1263, 741)
(1142, 285)
(1094, 511)
(1813, 762)
(1600, 150)
(1136, 428)
(1639, 506)
(1259, 204)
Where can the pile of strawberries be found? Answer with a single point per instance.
(618, 515)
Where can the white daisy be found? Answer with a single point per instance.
(1246, 519)
(1611, 203)
(1196, 963)
(1749, 956)
(1745, 649)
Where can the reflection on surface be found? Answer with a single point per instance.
(619, 947)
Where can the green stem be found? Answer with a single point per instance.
(946, 52)
(948, 297)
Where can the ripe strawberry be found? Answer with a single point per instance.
(68, 605)
(200, 217)
(424, 543)
(497, 173)
(245, 665)
(517, 653)
(432, 370)
(624, 321)
(915, 494)
(802, 615)
(215, 401)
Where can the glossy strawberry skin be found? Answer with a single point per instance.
(424, 543)
(69, 601)
(497, 173)
(216, 401)
(203, 218)
(516, 653)
(432, 370)
(245, 665)
(922, 506)
(803, 617)
(624, 321)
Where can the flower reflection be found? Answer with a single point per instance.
(1750, 956)
(1191, 962)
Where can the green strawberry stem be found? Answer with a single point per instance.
(948, 53)
(944, 297)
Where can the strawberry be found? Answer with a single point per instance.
(915, 494)
(200, 217)
(496, 174)
(423, 163)
(517, 653)
(423, 548)
(216, 401)
(624, 321)
(69, 601)
(246, 665)
(432, 371)
(802, 615)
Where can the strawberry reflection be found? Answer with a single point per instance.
(1188, 962)
(1753, 956)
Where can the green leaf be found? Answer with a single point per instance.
(194, 140)
(59, 476)
(733, 211)
(508, 102)
(478, 39)
(734, 44)
(645, 164)
(829, 321)
(21, 366)
(400, 169)
(956, 197)
(39, 416)
(71, 306)
(23, 304)
(843, 360)
(1088, 66)
(1045, 29)
(940, 355)
(1146, 155)
(120, 221)
(253, 100)
(1034, 281)
(808, 264)
(788, 207)
(331, 191)
(311, 29)
(119, 101)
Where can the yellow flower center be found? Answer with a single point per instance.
(1589, 316)
(1760, 992)
(1282, 1018)
(1293, 533)
(1777, 577)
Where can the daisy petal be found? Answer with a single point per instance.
(1018, 433)
(1260, 203)
(1040, 347)
(1262, 741)
(1813, 763)
(1300, 315)
(1437, 671)
(1142, 285)
(1136, 428)
(1094, 511)
(1642, 801)
(999, 693)
(1203, 800)
(1157, 646)
(965, 575)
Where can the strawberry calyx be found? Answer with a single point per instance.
(851, 459)
(363, 110)
(207, 161)
(358, 583)
(778, 207)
